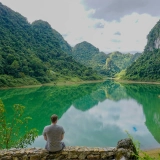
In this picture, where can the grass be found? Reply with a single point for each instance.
(57, 83)
(153, 153)
(120, 77)
(120, 74)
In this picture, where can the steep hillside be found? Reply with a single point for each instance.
(147, 67)
(35, 53)
(121, 60)
(105, 64)
(153, 38)
(63, 44)
(116, 62)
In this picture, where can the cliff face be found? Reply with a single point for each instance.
(153, 38)
(146, 68)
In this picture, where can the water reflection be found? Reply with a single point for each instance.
(93, 114)
(147, 96)
(106, 120)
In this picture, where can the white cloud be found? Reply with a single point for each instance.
(133, 28)
(71, 19)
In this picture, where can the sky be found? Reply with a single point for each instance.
(110, 25)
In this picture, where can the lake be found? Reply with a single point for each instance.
(97, 114)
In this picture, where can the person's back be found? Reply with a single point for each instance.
(53, 134)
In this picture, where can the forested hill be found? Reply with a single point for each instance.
(35, 53)
(147, 67)
(105, 64)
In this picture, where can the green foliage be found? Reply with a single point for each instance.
(111, 68)
(120, 74)
(152, 37)
(122, 61)
(6, 80)
(34, 50)
(141, 155)
(146, 68)
(105, 64)
(63, 44)
(10, 130)
(84, 52)
(145, 156)
(136, 143)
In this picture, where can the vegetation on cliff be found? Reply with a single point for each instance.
(147, 67)
(153, 38)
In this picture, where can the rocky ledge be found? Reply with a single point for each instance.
(125, 150)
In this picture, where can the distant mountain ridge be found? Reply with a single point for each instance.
(105, 64)
(147, 67)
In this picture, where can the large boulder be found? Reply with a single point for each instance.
(126, 150)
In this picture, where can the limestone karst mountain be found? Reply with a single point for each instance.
(147, 67)
(35, 53)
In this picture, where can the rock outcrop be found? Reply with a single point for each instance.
(153, 38)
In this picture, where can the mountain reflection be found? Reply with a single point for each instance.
(98, 114)
(147, 96)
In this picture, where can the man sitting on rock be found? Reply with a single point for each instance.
(54, 134)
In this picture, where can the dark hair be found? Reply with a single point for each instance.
(54, 118)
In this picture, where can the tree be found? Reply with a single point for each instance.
(10, 136)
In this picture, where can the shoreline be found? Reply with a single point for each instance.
(135, 82)
(68, 83)
(62, 83)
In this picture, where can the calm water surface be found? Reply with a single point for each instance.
(93, 114)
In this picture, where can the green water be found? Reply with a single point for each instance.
(93, 114)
